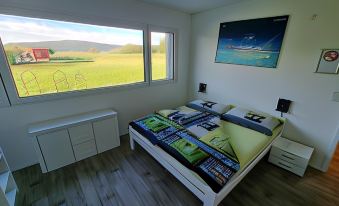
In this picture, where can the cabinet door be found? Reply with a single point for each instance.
(56, 149)
(106, 134)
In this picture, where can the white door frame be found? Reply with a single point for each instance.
(331, 150)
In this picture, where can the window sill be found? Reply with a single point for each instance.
(162, 82)
(71, 94)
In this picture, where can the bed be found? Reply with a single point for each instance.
(242, 148)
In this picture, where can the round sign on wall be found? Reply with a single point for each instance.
(331, 56)
(329, 61)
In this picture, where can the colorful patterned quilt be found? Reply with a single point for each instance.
(196, 139)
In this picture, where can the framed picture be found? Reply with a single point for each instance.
(254, 42)
(328, 62)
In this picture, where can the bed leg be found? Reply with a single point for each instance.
(210, 203)
(131, 142)
(210, 200)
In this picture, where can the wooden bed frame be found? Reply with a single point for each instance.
(187, 176)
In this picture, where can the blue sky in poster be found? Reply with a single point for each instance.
(24, 29)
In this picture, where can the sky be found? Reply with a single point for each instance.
(23, 29)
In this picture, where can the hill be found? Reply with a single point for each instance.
(133, 48)
(65, 45)
(128, 49)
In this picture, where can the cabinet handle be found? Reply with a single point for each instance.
(287, 157)
(284, 165)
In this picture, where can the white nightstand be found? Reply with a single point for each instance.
(290, 155)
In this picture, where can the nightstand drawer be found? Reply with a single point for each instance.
(288, 157)
(84, 150)
(287, 165)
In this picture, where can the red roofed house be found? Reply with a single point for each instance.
(41, 54)
(33, 55)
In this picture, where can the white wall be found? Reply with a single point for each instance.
(129, 103)
(314, 118)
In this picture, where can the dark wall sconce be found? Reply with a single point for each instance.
(283, 106)
(202, 87)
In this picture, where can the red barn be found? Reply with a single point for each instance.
(41, 54)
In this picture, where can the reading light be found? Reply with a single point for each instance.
(202, 87)
(283, 106)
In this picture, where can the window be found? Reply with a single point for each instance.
(42, 59)
(47, 56)
(162, 55)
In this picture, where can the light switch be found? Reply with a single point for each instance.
(335, 96)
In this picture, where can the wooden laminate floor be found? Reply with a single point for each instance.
(123, 177)
(334, 166)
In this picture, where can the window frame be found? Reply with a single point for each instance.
(9, 92)
(161, 29)
(15, 99)
(4, 102)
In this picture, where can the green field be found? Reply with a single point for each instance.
(106, 69)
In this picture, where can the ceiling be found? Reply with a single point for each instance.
(192, 6)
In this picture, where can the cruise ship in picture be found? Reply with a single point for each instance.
(249, 43)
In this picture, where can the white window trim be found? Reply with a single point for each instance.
(161, 29)
(9, 84)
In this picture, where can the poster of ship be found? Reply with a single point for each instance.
(254, 42)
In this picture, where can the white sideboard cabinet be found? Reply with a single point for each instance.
(63, 141)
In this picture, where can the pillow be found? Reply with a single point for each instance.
(207, 106)
(182, 115)
(257, 121)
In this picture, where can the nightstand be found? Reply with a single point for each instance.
(290, 155)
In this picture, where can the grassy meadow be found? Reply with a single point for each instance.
(104, 69)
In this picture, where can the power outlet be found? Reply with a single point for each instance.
(335, 97)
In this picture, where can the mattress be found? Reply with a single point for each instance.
(211, 147)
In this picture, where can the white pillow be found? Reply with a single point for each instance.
(255, 120)
(207, 106)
